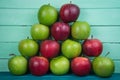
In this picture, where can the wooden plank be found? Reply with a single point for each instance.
(4, 66)
(29, 16)
(17, 33)
(8, 48)
(106, 34)
(14, 34)
(18, 16)
(57, 3)
(9, 76)
(113, 49)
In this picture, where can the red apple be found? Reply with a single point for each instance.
(81, 66)
(38, 65)
(69, 12)
(92, 47)
(60, 30)
(49, 48)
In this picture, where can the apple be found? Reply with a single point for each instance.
(71, 49)
(59, 65)
(81, 66)
(80, 30)
(47, 15)
(38, 65)
(103, 66)
(28, 47)
(69, 12)
(39, 32)
(17, 65)
(92, 47)
(60, 30)
(49, 48)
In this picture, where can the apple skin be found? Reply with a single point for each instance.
(71, 49)
(103, 66)
(81, 66)
(92, 47)
(39, 32)
(17, 65)
(28, 47)
(38, 65)
(47, 15)
(80, 30)
(59, 65)
(60, 31)
(49, 48)
(69, 12)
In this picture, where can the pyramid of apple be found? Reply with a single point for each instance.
(60, 45)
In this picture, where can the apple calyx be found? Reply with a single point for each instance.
(12, 54)
(107, 54)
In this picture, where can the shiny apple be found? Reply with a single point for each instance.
(17, 65)
(39, 32)
(81, 66)
(49, 48)
(69, 12)
(71, 48)
(103, 66)
(47, 15)
(28, 47)
(59, 65)
(38, 65)
(60, 31)
(80, 30)
(92, 47)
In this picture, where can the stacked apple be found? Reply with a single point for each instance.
(56, 46)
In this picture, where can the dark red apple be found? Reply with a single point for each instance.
(49, 48)
(60, 30)
(92, 47)
(81, 66)
(69, 12)
(38, 65)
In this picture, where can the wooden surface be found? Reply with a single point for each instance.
(17, 16)
(8, 76)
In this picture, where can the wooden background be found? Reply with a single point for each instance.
(17, 16)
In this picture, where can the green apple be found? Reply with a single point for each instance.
(39, 32)
(28, 47)
(47, 15)
(59, 65)
(71, 48)
(17, 65)
(80, 30)
(103, 66)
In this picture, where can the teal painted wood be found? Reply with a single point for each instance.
(4, 65)
(57, 3)
(8, 76)
(17, 16)
(17, 33)
(14, 34)
(29, 16)
(8, 48)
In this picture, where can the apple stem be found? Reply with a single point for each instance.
(28, 37)
(49, 4)
(70, 2)
(107, 54)
(91, 36)
(12, 54)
